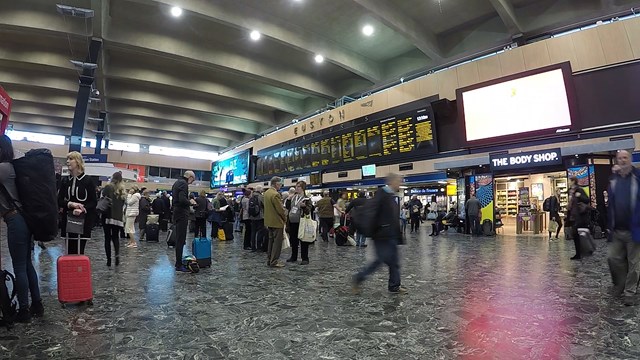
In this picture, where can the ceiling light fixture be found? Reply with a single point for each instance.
(319, 59)
(367, 30)
(176, 11)
(255, 35)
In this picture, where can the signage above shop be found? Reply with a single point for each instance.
(94, 158)
(524, 160)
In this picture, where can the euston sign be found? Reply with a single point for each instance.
(525, 160)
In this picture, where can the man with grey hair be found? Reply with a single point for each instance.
(274, 219)
(181, 207)
(624, 226)
(387, 235)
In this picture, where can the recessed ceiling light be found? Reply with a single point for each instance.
(255, 35)
(176, 11)
(367, 30)
(319, 58)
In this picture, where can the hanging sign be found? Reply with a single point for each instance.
(525, 160)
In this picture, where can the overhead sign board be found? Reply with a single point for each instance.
(525, 160)
(94, 158)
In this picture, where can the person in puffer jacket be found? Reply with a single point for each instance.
(133, 210)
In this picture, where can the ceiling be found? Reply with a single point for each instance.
(199, 82)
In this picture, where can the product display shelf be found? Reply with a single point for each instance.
(561, 184)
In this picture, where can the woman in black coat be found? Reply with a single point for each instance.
(77, 195)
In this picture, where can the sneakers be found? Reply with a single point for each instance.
(23, 316)
(290, 260)
(277, 265)
(576, 257)
(304, 262)
(109, 262)
(399, 290)
(133, 246)
(37, 309)
(182, 269)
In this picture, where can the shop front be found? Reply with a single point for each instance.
(5, 110)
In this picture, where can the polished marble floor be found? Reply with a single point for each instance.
(482, 298)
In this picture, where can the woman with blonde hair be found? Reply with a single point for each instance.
(133, 210)
(77, 195)
(113, 217)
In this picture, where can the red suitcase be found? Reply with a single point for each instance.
(74, 279)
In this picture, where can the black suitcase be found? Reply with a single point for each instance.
(164, 225)
(228, 230)
(153, 232)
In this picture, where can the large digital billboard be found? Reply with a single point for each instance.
(231, 171)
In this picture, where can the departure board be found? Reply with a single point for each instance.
(405, 135)
(347, 147)
(325, 152)
(389, 137)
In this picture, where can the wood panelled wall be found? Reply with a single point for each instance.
(604, 45)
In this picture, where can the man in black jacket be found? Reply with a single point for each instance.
(387, 235)
(355, 204)
(554, 212)
(181, 206)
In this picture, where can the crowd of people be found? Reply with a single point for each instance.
(266, 216)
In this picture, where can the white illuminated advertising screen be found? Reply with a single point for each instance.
(532, 103)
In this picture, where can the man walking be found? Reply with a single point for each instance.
(387, 235)
(325, 213)
(274, 220)
(473, 212)
(181, 206)
(554, 212)
(624, 225)
(415, 210)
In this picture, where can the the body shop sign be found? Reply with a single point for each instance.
(525, 160)
(5, 109)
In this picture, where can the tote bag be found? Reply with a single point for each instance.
(308, 229)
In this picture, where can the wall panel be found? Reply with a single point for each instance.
(447, 83)
(427, 86)
(536, 55)
(561, 49)
(402, 94)
(615, 43)
(468, 74)
(511, 61)
(489, 68)
(633, 33)
(589, 51)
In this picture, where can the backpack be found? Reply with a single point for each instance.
(487, 228)
(8, 302)
(546, 205)
(36, 184)
(364, 218)
(254, 206)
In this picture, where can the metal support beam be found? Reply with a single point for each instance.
(422, 38)
(82, 102)
(100, 134)
(508, 16)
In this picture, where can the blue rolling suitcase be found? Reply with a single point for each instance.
(201, 249)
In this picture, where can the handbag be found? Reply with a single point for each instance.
(308, 229)
(285, 241)
(104, 204)
(75, 224)
(553, 226)
(221, 235)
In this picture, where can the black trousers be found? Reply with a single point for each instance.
(72, 244)
(257, 233)
(296, 243)
(112, 235)
(201, 227)
(325, 225)
(576, 240)
(214, 229)
(557, 219)
(247, 235)
(181, 227)
(415, 222)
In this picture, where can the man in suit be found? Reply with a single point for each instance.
(274, 220)
(386, 237)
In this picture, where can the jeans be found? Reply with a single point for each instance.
(415, 222)
(201, 227)
(386, 253)
(276, 236)
(624, 262)
(112, 234)
(360, 239)
(19, 241)
(247, 235)
(325, 225)
(237, 224)
(474, 224)
(181, 227)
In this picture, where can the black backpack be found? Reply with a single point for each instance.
(8, 302)
(487, 228)
(36, 183)
(254, 206)
(546, 205)
(364, 218)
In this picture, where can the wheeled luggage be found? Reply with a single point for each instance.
(74, 278)
(171, 237)
(342, 235)
(201, 249)
(153, 232)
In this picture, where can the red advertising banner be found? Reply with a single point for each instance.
(5, 109)
(139, 169)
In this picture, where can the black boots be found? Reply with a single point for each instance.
(37, 309)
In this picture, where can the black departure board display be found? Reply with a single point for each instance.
(385, 139)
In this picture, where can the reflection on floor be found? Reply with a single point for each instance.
(501, 298)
